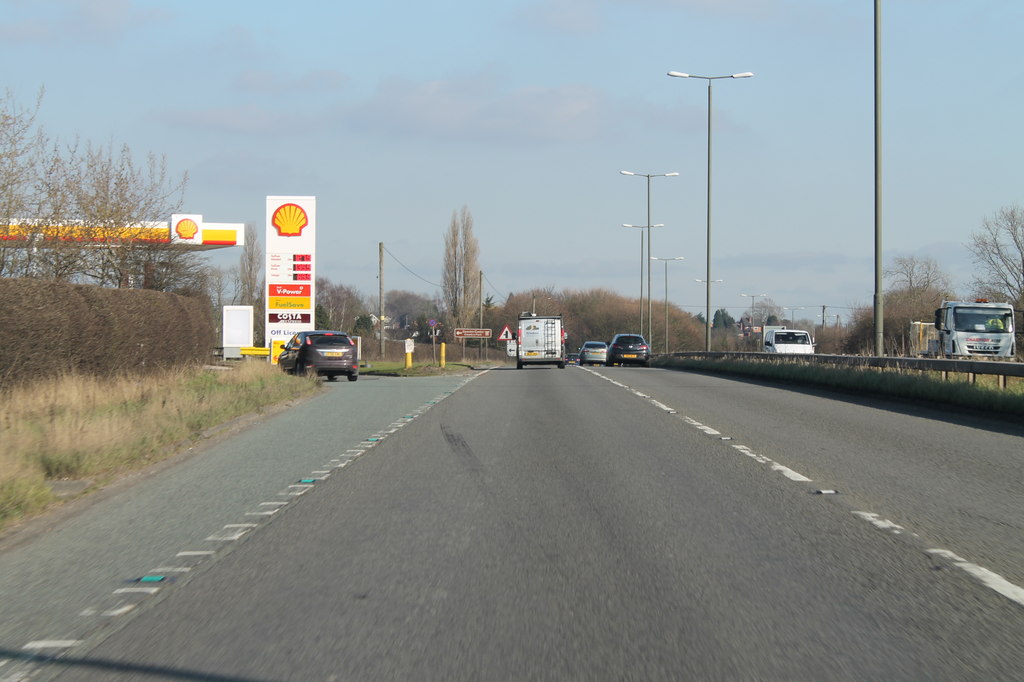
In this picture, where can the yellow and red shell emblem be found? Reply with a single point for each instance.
(186, 228)
(289, 219)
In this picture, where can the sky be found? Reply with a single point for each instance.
(396, 113)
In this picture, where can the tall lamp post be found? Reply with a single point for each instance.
(648, 176)
(642, 260)
(680, 74)
(753, 299)
(666, 296)
(792, 313)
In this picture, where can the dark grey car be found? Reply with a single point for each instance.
(327, 353)
(628, 349)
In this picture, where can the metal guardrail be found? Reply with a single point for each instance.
(971, 368)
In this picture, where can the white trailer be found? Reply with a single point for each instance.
(974, 329)
(540, 340)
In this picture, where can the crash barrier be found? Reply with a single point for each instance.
(969, 368)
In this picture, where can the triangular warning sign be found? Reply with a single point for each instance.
(506, 334)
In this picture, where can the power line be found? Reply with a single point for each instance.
(496, 290)
(433, 284)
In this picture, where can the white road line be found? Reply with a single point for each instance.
(113, 613)
(137, 590)
(789, 473)
(273, 504)
(203, 552)
(989, 579)
(171, 569)
(880, 523)
(52, 644)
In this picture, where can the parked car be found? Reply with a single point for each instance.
(327, 353)
(572, 359)
(628, 349)
(593, 353)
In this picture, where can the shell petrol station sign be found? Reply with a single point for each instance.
(291, 274)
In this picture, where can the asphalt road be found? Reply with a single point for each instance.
(545, 524)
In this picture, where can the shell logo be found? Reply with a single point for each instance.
(289, 219)
(187, 228)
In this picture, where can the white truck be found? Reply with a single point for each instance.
(540, 340)
(974, 329)
(791, 341)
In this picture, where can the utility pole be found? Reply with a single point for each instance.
(380, 277)
(482, 341)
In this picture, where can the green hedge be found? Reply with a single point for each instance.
(50, 327)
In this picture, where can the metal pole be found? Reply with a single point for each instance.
(707, 305)
(650, 318)
(482, 341)
(380, 277)
(879, 300)
(642, 281)
(666, 307)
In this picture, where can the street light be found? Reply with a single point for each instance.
(792, 317)
(649, 321)
(666, 297)
(648, 228)
(680, 74)
(753, 299)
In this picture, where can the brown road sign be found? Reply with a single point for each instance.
(472, 333)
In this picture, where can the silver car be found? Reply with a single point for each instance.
(593, 353)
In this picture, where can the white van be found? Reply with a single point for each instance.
(793, 341)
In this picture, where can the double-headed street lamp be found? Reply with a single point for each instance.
(753, 299)
(648, 228)
(792, 312)
(680, 74)
(649, 225)
(666, 297)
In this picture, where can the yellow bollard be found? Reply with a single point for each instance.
(408, 360)
(442, 355)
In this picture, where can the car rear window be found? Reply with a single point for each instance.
(594, 344)
(331, 340)
(629, 340)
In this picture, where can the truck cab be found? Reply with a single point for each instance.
(975, 329)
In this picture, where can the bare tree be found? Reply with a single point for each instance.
(917, 274)
(249, 275)
(118, 199)
(341, 304)
(998, 249)
(460, 276)
(57, 257)
(19, 142)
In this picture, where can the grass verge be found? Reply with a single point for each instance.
(422, 369)
(914, 386)
(79, 427)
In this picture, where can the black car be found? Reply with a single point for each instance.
(326, 353)
(628, 349)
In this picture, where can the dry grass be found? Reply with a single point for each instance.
(73, 427)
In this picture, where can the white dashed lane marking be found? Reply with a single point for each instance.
(984, 576)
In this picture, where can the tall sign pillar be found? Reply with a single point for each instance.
(291, 269)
